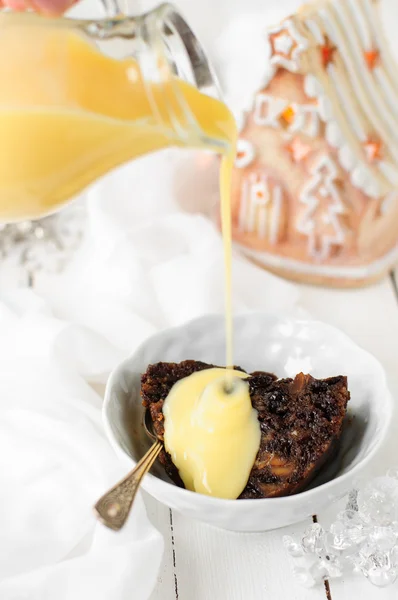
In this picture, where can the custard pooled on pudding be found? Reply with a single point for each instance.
(211, 431)
(300, 422)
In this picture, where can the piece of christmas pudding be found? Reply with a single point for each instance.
(301, 422)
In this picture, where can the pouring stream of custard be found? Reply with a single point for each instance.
(69, 114)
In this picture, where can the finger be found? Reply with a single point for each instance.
(48, 7)
(16, 5)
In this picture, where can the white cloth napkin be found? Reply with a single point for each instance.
(54, 464)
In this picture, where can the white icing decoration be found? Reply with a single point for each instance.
(360, 177)
(347, 158)
(268, 109)
(361, 23)
(289, 42)
(312, 86)
(247, 152)
(283, 43)
(389, 171)
(389, 63)
(315, 30)
(325, 108)
(339, 26)
(323, 192)
(277, 205)
(262, 222)
(333, 134)
(385, 96)
(346, 104)
(388, 202)
(373, 190)
(323, 173)
(367, 177)
(258, 198)
(260, 207)
(389, 93)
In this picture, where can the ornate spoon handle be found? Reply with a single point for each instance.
(113, 508)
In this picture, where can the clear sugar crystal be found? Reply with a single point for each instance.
(338, 538)
(319, 571)
(313, 541)
(378, 569)
(384, 538)
(333, 566)
(378, 502)
(349, 529)
(294, 548)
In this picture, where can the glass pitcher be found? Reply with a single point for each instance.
(80, 97)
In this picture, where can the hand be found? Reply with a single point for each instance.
(47, 7)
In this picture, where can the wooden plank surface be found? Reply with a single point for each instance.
(202, 562)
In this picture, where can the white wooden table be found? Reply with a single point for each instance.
(204, 563)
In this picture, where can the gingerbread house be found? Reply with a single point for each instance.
(315, 184)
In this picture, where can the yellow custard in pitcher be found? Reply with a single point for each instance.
(69, 114)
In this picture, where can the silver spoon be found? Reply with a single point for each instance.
(113, 508)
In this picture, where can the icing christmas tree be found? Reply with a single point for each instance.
(316, 176)
(320, 222)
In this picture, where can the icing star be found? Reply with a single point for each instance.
(288, 116)
(373, 150)
(298, 150)
(372, 58)
(286, 45)
(327, 52)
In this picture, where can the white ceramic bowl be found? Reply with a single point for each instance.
(284, 346)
